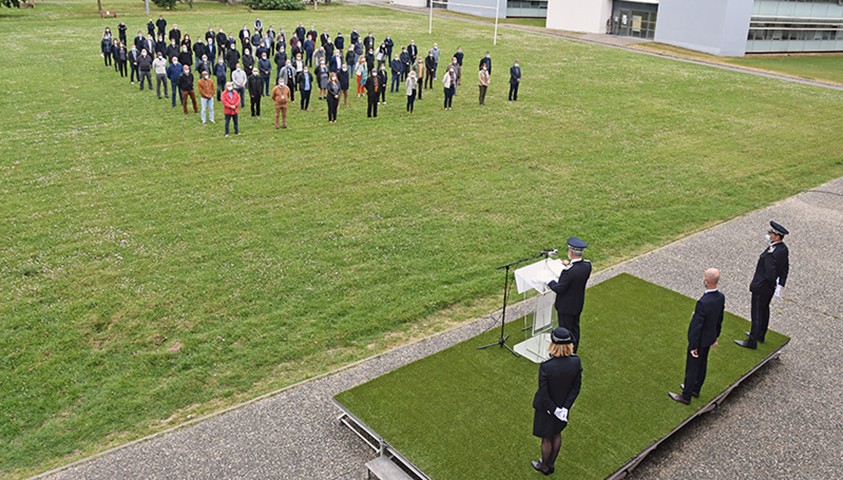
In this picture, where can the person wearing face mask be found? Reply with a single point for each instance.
(174, 71)
(411, 85)
(265, 69)
(211, 49)
(144, 67)
(483, 83)
(255, 84)
(418, 69)
(406, 63)
(162, 25)
(280, 62)
(449, 84)
(206, 96)
(342, 76)
(361, 72)
(185, 58)
(106, 45)
(133, 64)
(161, 47)
(121, 57)
(239, 78)
(570, 289)
(435, 51)
(159, 65)
(397, 72)
(322, 76)
(186, 88)
(221, 73)
(702, 335)
(383, 76)
(172, 50)
(769, 279)
(305, 83)
(487, 60)
(514, 81)
(174, 33)
(281, 97)
(199, 49)
(288, 74)
(232, 58)
(203, 66)
(459, 56)
(374, 86)
(430, 66)
(231, 106)
(247, 61)
(333, 97)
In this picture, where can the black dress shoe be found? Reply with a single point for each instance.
(746, 344)
(695, 395)
(760, 340)
(538, 466)
(677, 397)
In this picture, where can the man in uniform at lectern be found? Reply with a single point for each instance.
(768, 281)
(570, 288)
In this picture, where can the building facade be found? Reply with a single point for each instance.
(719, 27)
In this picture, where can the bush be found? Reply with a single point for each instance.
(275, 4)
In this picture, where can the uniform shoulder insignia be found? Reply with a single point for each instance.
(772, 249)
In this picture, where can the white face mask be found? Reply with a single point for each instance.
(229, 88)
(768, 238)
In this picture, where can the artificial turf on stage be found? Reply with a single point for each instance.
(466, 413)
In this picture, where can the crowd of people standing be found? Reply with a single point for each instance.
(229, 65)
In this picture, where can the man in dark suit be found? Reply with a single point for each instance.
(768, 281)
(514, 81)
(162, 25)
(702, 335)
(570, 289)
(560, 379)
(373, 91)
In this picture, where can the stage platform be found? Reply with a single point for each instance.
(464, 413)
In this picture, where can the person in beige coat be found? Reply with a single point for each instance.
(483, 83)
(412, 84)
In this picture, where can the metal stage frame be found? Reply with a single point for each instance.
(380, 446)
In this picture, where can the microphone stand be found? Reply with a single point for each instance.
(502, 339)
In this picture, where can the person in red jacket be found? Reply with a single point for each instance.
(231, 106)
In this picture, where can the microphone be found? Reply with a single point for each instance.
(550, 253)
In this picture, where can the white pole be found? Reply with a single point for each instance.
(430, 23)
(146, 4)
(497, 8)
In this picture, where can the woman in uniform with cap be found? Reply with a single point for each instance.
(559, 384)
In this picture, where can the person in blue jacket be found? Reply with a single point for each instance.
(174, 72)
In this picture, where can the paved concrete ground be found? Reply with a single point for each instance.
(784, 422)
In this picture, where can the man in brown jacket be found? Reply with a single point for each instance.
(207, 89)
(281, 96)
(483, 83)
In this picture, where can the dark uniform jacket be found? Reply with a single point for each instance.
(514, 75)
(706, 321)
(773, 264)
(570, 289)
(559, 383)
(374, 85)
(186, 82)
(255, 85)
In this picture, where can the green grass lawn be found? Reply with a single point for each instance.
(153, 270)
(818, 67)
(467, 413)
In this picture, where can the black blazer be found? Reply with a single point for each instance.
(570, 289)
(772, 264)
(559, 383)
(514, 75)
(706, 321)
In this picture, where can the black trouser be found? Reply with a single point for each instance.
(255, 105)
(372, 111)
(449, 96)
(760, 316)
(483, 89)
(161, 79)
(428, 80)
(305, 99)
(695, 369)
(333, 104)
(411, 100)
(134, 73)
(383, 93)
(513, 91)
(419, 91)
(147, 76)
(220, 86)
(107, 58)
(572, 323)
(121, 67)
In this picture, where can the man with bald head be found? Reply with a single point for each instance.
(702, 335)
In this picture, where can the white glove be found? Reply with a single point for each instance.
(778, 292)
(561, 414)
